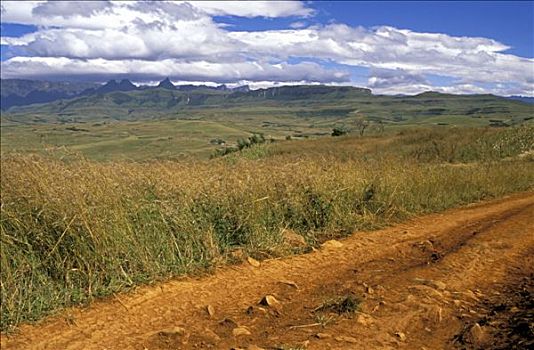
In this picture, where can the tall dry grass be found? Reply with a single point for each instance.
(72, 231)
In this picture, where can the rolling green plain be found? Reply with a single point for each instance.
(159, 123)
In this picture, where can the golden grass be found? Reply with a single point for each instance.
(72, 231)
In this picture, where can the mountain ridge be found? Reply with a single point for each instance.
(19, 92)
(166, 84)
(24, 92)
(122, 100)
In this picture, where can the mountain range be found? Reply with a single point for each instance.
(26, 101)
(526, 99)
(22, 92)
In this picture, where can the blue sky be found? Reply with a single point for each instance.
(510, 22)
(390, 47)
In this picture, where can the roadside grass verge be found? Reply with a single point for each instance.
(72, 231)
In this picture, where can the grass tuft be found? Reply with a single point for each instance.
(343, 305)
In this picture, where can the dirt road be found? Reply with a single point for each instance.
(462, 278)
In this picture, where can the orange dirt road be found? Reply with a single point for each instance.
(430, 283)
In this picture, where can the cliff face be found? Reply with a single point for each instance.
(20, 92)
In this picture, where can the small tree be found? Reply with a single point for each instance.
(252, 140)
(339, 131)
(242, 143)
(361, 125)
(256, 139)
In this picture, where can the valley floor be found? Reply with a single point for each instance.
(462, 278)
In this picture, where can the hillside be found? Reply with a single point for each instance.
(168, 122)
(20, 92)
(125, 101)
(526, 99)
(24, 92)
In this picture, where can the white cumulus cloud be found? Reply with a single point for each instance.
(139, 70)
(152, 39)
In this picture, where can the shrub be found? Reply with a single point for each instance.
(339, 131)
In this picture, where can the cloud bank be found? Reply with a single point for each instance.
(148, 40)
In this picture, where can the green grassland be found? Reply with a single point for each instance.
(169, 139)
(160, 123)
(143, 140)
